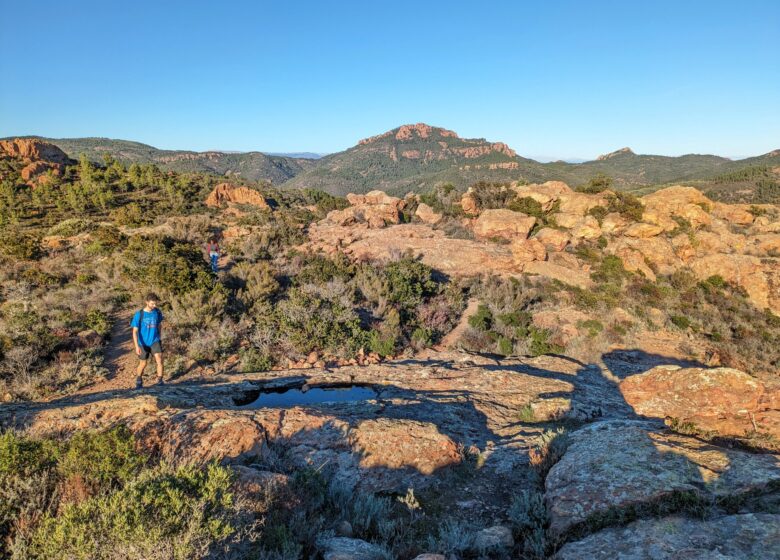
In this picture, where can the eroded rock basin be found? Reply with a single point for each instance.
(306, 395)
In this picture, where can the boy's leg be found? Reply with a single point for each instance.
(139, 372)
(158, 358)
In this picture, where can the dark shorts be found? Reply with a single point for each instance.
(155, 348)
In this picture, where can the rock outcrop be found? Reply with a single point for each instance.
(619, 465)
(225, 194)
(680, 227)
(38, 158)
(734, 537)
(375, 210)
(503, 223)
(724, 400)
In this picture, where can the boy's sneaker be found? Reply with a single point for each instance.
(139, 383)
(160, 381)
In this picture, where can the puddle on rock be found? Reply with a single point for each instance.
(283, 398)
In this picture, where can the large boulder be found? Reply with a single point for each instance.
(726, 400)
(504, 224)
(683, 202)
(554, 239)
(742, 270)
(31, 149)
(374, 209)
(747, 536)
(622, 465)
(225, 193)
(427, 214)
(344, 548)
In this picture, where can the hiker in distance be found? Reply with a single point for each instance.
(212, 248)
(147, 324)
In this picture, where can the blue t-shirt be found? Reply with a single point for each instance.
(148, 324)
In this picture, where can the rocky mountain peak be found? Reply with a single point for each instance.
(621, 151)
(411, 132)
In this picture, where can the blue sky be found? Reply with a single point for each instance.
(551, 78)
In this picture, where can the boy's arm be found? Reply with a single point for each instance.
(135, 340)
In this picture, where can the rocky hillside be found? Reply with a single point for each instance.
(248, 165)
(506, 371)
(413, 157)
(417, 157)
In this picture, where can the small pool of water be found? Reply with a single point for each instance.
(316, 395)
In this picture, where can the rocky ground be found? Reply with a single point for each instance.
(465, 432)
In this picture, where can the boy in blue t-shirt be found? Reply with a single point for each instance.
(147, 324)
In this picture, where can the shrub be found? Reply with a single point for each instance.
(17, 244)
(527, 205)
(482, 320)
(596, 184)
(627, 205)
(680, 321)
(593, 327)
(161, 263)
(71, 227)
(102, 459)
(184, 511)
(539, 343)
(99, 321)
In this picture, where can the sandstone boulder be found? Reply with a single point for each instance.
(527, 250)
(588, 228)
(554, 239)
(469, 203)
(733, 213)
(427, 215)
(504, 224)
(32, 149)
(734, 537)
(742, 270)
(643, 230)
(613, 223)
(620, 464)
(726, 400)
(376, 209)
(225, 193)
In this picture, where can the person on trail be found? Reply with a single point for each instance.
(147, 324)
(212, 247)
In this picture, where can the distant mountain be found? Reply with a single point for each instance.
(419, 156)
(250, 165)
(297, 155)
(414, 157)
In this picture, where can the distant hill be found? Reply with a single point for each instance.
(416, 157)
(413, 157)
(250, 165)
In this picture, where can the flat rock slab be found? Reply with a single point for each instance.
(748, 536)
(620, 464)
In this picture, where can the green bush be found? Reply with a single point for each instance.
(482, 320)
(180, 510)
(99, 321)
(539, 343)
(71, 227)
(596, 184)
(527, 205)
(161, 263)
(627, 205)
(102, 459)
(21, 245)
(680, 321)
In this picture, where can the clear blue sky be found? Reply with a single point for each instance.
(551, 77)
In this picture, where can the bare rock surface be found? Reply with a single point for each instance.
(225, 193)
(344, 548)
(734, 537)
(725, 400)
(615, 465)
